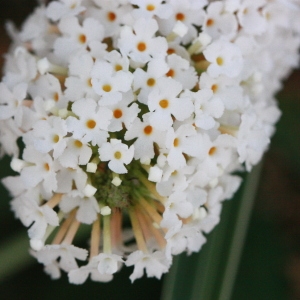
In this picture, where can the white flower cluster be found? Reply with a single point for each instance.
(133, 116)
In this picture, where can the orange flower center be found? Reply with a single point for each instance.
(180, 17)
(164, 103)
(77, 144)
(150, 7)
(210, 22)
(220, 61)
(82, 38)
(118, 113)
(214, 88)
(151, 82)
(141, 46)
(91, 124)
(171, 73)
(170, 51)
(111, 16)
(148, 129)
(212, 150)
(106, 88)
(118, 68)
(56, 97)
(55, 138)
(176, 142)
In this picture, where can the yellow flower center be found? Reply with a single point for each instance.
(164, 103)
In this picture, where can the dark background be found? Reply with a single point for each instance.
(270, 264)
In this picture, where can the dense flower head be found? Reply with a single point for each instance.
(134, 118)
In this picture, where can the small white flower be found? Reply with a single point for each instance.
(155, 264)
(67, 255)
(88, 207)
(163, 102)
(225, 58)
(181, 71)
(220, 23)
(146, 136)
(80, 275)
(150, 8)
(76, 37)
(49, 135)
(92, 123)
(76, 153)
(41, 169)
(108, 263)
(145, 81)
(177, 204)
(108, 83)
(79, 83)
(64, 8)
(40, 216)
(118, 155)
(139, 42)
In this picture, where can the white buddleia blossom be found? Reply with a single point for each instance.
(138, 110)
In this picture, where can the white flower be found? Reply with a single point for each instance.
(76, 37)
(87, 207)
(163, 102)
(40, 216)
(187, 12)
(76, 153)
(123, 114)
(252, 140)
(225, 58)
(138, 42)
(219, 22)
(183, 238)
(80, 275)
(249, 14)
(108, 83)
(112, 15)
(145, 81)
(155, 264)
(183, 140)
(150, 8)
(49, 87)
(181, 71)
(79, 83)
(146, 136)
(11, 102)
(118, 155)
(225, 89)
(67, 255)
(41, 168)
(178, 205)
(174, 180)
(9, 133)
(68, 179)
(207, 108)
(49, 135)
(64, 8)
(92, 123)
(20, 67)
(108, 263)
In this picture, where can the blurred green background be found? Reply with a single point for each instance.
(270, 262)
